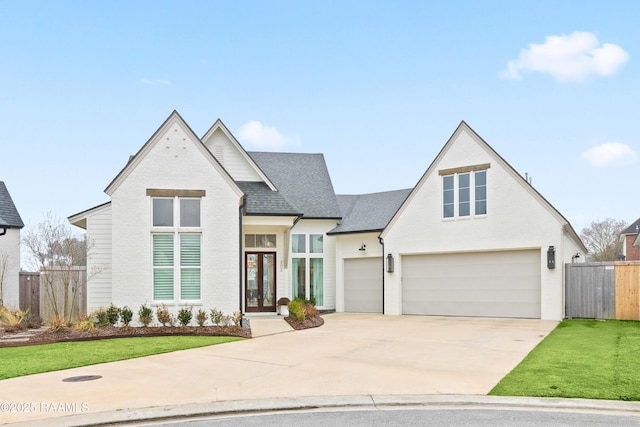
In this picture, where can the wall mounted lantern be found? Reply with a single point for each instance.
(389, 263)
(551, 257)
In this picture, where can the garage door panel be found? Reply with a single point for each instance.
(363, 285)
(491, 284)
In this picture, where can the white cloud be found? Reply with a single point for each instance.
(574, 57)
(264, 136)
(610, 154)
(156, 82)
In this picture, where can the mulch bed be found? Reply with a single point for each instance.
(309, 322)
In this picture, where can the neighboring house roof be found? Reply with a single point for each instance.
(261, 200)
(464, 127)
(632, 229)
(368, 212)
(303, 179)
(9, 216)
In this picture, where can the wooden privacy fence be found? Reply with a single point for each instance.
(603, 290)
(45, 293)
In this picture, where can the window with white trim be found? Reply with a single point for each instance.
(307, 265)
(464, 194)
(176, 249)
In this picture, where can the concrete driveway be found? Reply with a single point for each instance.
(352, 354)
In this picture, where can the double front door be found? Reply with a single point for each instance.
(260, 281)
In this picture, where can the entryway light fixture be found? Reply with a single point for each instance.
(363, 247)
(389, 263)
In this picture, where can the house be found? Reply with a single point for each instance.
(10, 226)
(630, 242)
(201, 222)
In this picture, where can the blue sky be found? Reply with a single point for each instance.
(378, 87)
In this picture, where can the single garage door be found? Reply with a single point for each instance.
(363, 285)
(489, 284)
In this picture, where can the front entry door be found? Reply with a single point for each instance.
(260, 281)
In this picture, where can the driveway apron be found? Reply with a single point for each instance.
(351, 354)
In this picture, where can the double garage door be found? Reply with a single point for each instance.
(488, 284)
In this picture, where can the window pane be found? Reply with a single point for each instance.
(190, 283)
(298, 282)
(260, 241)
(163, 212)
(481, 207)
(315, 243)
(463, 180)
(447, 196)
(250, 240)
(162, 250)
(298, 244)
(481, 192)
(190, 250)
(163, 284)
(316, 282)
(271, 240)
(481, 178)
(463, 209)
(190, 212)
(464, 194)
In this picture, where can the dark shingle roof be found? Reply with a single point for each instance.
(633, 228)
(368, 212)
(9, 216)
(261, 200)
(303, 180)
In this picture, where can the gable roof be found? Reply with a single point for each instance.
(173, 118)
(368, 212)
(9, 216)
(632, 229)
(303, 179)
(464, 127)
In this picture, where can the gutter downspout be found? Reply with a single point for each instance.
(381, 240)
(241, 284)
(4, 231)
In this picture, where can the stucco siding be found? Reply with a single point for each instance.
(175, 162)
(10, 262)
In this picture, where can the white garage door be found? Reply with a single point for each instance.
(489, 284)
(363, 285)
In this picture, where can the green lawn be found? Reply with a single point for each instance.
(581, 358)
(27, 360)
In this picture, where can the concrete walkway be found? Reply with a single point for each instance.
(351, 355)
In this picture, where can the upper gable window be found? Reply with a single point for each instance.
(189, 212)
(464, 191)
(163, 212)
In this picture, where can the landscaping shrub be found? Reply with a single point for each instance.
(113, 314)
(84, 323)
(185, 315)
(237, 318)
(216, 316)
(164, 316)
(145, 315)
(201, 317)
(14, 319)
(102, 317)
(58, 324)
(296, 309)
(126, 315)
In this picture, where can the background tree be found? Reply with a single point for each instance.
(56, 252)
(602, 238)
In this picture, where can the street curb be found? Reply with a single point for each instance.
(369, 402)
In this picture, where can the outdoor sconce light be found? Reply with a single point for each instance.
(363, 247)
(575, 257)
(389, 263)
(551, 258)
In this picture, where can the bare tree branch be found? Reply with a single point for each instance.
(602, 238)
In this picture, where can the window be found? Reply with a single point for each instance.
(464, 194)
(260, 240)
(176, 253)
(308, 267)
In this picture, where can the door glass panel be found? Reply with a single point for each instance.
(268, 279)
(252, 280)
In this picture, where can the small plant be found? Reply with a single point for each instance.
(85, 323)
(13, 318)
(126, 315)
(164, 316)
(34, 321)
(102, 317)
(296, 310)
(216, 316)
(113, 314)
(58, 324)
(201, 317)
(237, 318)
(185, 315)
(145, 315)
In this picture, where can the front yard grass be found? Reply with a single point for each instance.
(588, 359)
(35, 359)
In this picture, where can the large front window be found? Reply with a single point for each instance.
(464, 194)
(308, 267)
(176, 247)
